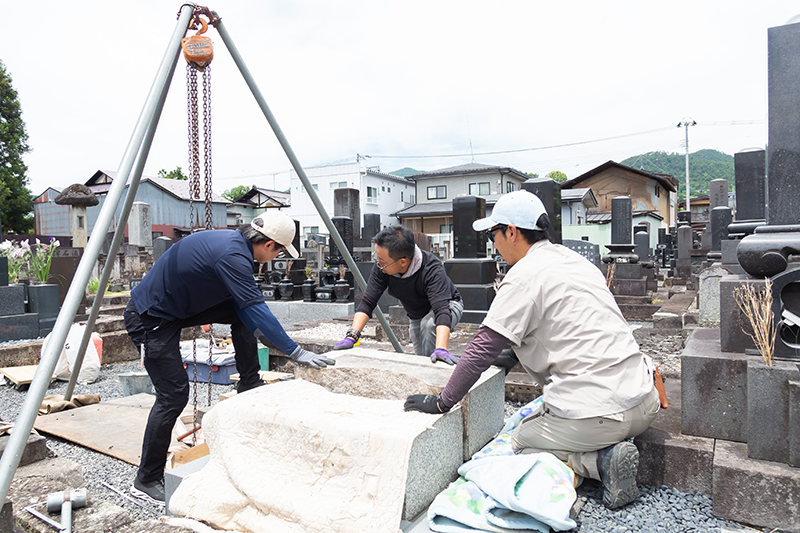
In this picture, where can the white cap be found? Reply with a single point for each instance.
(278, 227)
(519, 208)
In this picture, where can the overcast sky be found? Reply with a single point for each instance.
(404, 82)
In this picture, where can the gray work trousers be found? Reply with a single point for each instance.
(576, 442)
(423, 331)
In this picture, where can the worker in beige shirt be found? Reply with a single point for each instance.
(554, 307)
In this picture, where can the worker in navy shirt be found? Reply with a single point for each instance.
(204, 278)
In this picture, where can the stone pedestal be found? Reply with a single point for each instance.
(768, 409)
(709, 295)
(474, 279)
(732, 329)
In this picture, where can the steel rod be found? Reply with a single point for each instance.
(248, 78)
(41, 380)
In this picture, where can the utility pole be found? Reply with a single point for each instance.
(686, 122)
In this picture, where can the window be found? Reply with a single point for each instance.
(338, 184)
(658, 191)
(479, 189)
(383, 189)
(313, 186)
(438, 192)
(412, 199)
(511, 186)
(388, 189)
(445, 228)
(310, 229)
(401, 196)
(372, 195)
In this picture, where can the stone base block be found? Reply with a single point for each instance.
(753, 491)
(768, 397)
(641, 312)
(292, 312)
(477, 297)
(12, 299)
(22, 326)
(666, 457)
(714, 389)
(471, 271)
(629, 287)
(794, 422)
(35, 449)
(473, 317)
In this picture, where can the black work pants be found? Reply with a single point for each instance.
(163, 363)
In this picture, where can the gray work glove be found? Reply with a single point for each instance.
(304, 357)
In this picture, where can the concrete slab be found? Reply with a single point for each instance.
(752, 491)
(299, 311)
(714, 392)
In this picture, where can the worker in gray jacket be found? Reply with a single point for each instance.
(416, 278)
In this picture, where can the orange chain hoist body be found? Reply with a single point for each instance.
(197, 49)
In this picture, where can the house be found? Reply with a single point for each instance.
(253, 203)
(435, 190)
(653, 199)
(575, 204)
(168, 200)
(379, 193)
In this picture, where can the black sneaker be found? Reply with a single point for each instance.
(152, 492)
(618, 465)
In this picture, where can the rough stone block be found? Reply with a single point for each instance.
(16, 327)
(471, 271)
(714, 389)
(753, 491)
(733, 336)
(768, 396)
(709, 295)
(118, 347)
(35, 449)
(12, 300)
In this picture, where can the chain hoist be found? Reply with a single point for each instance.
(198, 52)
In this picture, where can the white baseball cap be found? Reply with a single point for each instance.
(519, 208)
(278, 227)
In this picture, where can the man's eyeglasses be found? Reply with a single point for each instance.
(380, 265)
(490, 231)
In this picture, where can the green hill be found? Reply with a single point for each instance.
(704, 166)
(406, 171)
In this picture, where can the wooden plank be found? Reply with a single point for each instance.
(267, 376)
(20, 375)
(115, 427)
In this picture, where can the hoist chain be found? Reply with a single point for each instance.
(194, 383)
(194, 144)
(207, 141)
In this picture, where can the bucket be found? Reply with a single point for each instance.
(135, 383)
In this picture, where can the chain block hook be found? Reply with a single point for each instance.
(197, 49)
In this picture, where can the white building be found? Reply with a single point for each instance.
(379, 193)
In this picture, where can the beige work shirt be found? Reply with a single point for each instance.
(569, 334)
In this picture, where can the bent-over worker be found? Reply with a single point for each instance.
(204, 278)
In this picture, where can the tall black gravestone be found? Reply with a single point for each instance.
(750, 174)
(344, 225)
(621, 220)
(346, 204)
(372, 225)
(549, 192)
(468, 243)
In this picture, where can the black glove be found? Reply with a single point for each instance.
(427, 403)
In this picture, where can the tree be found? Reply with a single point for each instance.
(16, 201)
(532, 175)
(235, 193)
(557, 175)
(176, 174)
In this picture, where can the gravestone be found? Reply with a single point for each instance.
(160, 245)
(62, 270)
(346, 204)
(296, 240)
(3, 271)
(683, 266)
(710, 277)
(140, 229)
(642, 241)
(750, 174)
(718, 193)
(372, 225)
(621, 220)
(721, 217)
(684, 217)
(468, 243)
(783, 74)
(549, 192)
(587, 249)
(343, 225)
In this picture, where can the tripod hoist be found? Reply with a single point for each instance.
(198, 52)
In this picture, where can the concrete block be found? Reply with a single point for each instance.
(174, 477)
(22, 326)
(628, 271)
(666, 457)
(714, 389)
(292, 312)
(629, 287)
(118, 347)
(753, 491)
(35, 449)
(12, 300)
(733, 336)
(768, 396)
(477, 297)
(794, 422)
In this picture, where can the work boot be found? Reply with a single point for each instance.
(617, 466)
(244, 387)
(152, 492)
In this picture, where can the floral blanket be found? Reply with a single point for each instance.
(499, 491)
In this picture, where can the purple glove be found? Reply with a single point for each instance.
(349, 340)
(441, 354)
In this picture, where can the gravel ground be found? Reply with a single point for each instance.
(658, 509)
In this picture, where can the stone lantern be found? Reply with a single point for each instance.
(78, 196)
